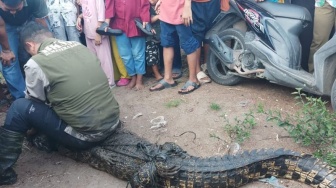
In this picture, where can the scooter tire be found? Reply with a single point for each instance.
(333, 96)
(218, 72)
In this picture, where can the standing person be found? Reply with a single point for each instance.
(177, 17)
(131, 43)
(94, 16)
(306, 36)
(62, 17)
(204, 13)
(14, 13)
(120, 72)
(324, 22)
(59, 103)
(154, 51)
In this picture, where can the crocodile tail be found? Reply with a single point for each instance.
(235, 171)
(303, 168)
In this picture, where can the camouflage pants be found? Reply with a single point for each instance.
(152, 53)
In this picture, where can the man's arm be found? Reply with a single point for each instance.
(36, 81)
(6, 54)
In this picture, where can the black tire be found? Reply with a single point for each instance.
(333, 96)
(218, 72)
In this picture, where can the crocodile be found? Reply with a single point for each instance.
(134, 159)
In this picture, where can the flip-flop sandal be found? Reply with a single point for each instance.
(184, 90)
(203, 78)
(164, 85)
(148, 28)
(109, 31)
(179, 75)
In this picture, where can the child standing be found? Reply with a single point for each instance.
(62, 17)
(154, 50)
(176, 16)
(94, 16)
(131, 44)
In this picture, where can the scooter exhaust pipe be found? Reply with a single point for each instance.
(221, 50)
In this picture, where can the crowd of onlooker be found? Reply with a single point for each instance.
(126, 56)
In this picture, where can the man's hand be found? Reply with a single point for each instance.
(7, 56)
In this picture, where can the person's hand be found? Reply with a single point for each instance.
(98, 39)
(157, 7)
(7, 56)
(79, 24)
(187, 16)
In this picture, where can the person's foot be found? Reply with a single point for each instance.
(158, 78)
(163, 84)
(123, 82)
(132, 83)
(139, 86)
(176, 75)
(203, 78)
(189, 87)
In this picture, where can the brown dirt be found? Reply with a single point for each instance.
(39, 169)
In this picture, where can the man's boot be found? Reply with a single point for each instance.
(10, 150)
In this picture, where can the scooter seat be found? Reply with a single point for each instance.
(287, 11)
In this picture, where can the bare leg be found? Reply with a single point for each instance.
(202, 78)
(198, 59)
(168, 56)
(156, 72)
(132, 82)
(139, 84)
(192, 64)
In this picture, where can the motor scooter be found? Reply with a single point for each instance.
(268, 48)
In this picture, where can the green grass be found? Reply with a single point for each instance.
(173, 103)
(313, 125)
(215, 107)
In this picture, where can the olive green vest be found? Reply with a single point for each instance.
(79, 91)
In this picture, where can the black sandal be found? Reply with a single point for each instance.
(109, 31)
(147, 30)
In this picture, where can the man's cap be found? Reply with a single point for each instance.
(12, 3)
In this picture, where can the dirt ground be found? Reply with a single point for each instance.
(42, 170)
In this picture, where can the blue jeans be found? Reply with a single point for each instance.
(12, 73)
(25, 114)
(66, 33)
(132, 52)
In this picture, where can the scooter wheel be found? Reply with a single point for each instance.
(218, 72)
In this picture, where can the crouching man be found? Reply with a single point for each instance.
(67, 98)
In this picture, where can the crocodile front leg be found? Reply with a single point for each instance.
(145, 177)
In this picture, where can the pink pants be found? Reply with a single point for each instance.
(103, 52)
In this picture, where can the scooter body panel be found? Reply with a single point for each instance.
(277, 46)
